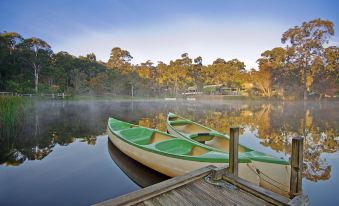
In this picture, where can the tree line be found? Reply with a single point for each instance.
(304, 66)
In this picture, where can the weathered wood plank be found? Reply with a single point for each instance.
(193, 189)
(257, 191)
(154, 190)
(230, 195)
(219, 172)
(200, 192)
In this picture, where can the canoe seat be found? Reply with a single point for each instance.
(143, 136)
(158, 137)
(175, 146)
(137, 135)
(202, 136)
(197, 151)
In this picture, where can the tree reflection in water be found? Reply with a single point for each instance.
(273, 124)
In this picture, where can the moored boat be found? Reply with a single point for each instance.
(274, 173)
(168, 154)
(137, 172)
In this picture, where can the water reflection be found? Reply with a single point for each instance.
(44, 126)
(138, 173)
(272, 124)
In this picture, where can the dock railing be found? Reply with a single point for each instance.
(52, 95)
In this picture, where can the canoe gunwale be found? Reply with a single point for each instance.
(266, 158)
(221, 158)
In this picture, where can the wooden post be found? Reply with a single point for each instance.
(296, 166)
(233, 151)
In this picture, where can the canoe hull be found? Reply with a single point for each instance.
(275, 177)
(173, 166)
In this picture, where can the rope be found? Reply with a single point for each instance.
(220, 183)
(258, 172)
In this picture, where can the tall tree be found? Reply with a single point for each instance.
(146, 70)
(326, 73)
(196, 73)
(8, 56)
(224, 72)
(179, 75)
(36, 53)
(270, 64)
(307, 41)
(91, 57)
(10, 40)
(64, 64)
(119, 59)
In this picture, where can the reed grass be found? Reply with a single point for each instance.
(11, 113)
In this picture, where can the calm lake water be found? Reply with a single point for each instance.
(60, 155)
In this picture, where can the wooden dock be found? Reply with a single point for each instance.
(218, 186)
(200, 188)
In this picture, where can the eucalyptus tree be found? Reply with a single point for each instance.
(308, 41)
(196, 71)
(8, 55)
(178, 72)
(224, 72)
(36, 55)
(271, 65)
(64, 64)
(326, 73)
(119, 59)
(10, 40)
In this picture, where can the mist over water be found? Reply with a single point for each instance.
(60, 155)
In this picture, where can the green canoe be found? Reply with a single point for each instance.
(168, 154)
(274, 172)
(184, 128)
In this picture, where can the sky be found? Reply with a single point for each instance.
(160, 30)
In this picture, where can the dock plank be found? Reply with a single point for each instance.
(194, 189)
(200, 192)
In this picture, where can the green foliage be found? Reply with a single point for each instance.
(28, 65)
(20, 87)
(307, 41)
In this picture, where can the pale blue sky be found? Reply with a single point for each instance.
(162, 30)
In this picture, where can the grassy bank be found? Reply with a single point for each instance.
(11, 113)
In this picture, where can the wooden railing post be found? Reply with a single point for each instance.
(233, 151)
(296, 166)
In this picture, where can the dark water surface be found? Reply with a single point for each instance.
(60, 155)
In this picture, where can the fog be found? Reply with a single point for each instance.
(49, 125)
